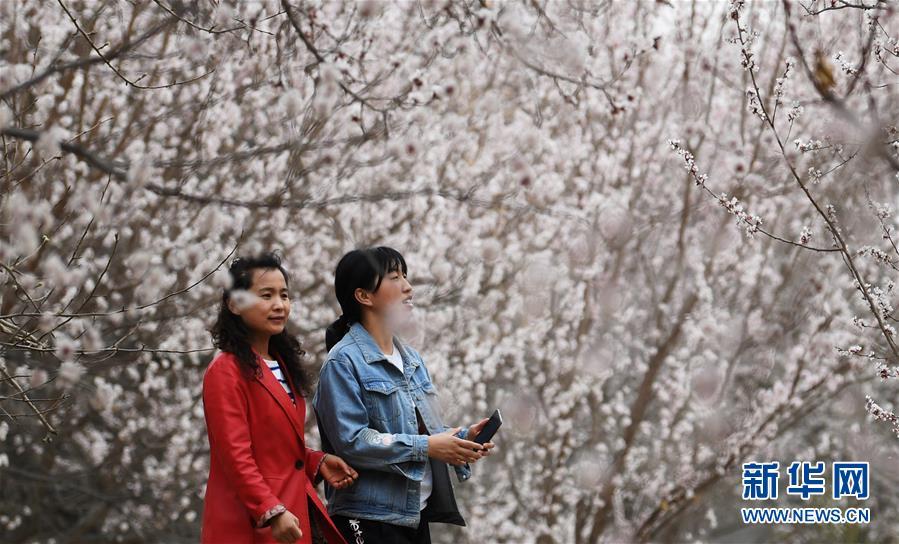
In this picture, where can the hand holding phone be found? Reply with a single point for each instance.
(490, 428)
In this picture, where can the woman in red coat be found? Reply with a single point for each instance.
(262, 476)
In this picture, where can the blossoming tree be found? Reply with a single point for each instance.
(657, 235)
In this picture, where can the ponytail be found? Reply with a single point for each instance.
(336, 331)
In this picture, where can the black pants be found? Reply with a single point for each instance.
(366, 531)
(315, 523)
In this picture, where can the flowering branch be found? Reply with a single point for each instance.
(752, 223)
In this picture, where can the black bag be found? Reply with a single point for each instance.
(442, 502)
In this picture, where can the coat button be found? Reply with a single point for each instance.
(298, 465)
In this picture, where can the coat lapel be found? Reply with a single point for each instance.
(271, 383)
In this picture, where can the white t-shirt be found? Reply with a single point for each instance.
(395, 358)
(426, 482)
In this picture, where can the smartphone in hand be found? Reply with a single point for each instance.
(490, 428)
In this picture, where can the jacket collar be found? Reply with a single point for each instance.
(271, 383)
(371, 352)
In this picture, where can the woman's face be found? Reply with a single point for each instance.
(393, 299)
(265, 306)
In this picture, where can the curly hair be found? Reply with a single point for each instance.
(230, 333)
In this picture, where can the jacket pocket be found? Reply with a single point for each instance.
(383, 402)
(429, 388)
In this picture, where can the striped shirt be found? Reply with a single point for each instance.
(276, 370)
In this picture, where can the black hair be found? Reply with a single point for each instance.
(360, 268)
(230, 333)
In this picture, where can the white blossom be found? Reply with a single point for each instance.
(442, 271)
(243, 299)
(66, 348)
(38, 378)
(221, 279)
(140, 172)
(6, 118)
(49, 141)
(69, 373)
(292, 103)
(56, 272)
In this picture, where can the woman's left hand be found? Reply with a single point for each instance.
(474, 431)
(337, 473)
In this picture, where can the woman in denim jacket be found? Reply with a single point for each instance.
(376, 408)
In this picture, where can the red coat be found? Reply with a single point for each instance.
(258, 455)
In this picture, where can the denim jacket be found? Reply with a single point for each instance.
(366, 413)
